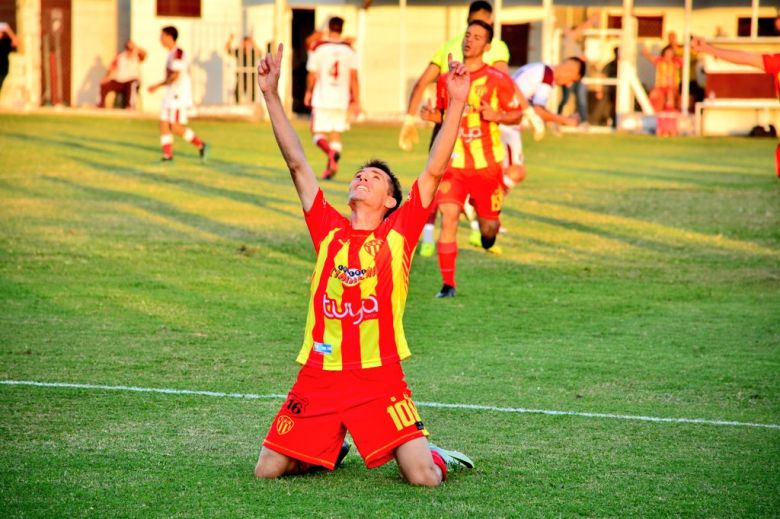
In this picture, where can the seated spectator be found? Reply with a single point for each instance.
(123, 74)
(665, 96)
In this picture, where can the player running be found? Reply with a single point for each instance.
(351, 379)
(332, 91)
(475, 171)
(178, 97)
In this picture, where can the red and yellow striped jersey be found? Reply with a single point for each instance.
(359, 287)
(479, 142)
(772, 66)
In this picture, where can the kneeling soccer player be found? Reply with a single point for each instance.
(351, 379)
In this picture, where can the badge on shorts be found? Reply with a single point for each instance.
(321, 347)
(284, 424)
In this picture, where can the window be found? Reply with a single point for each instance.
(516, 38)
(766, 27)
(190, 8)
(648, 26)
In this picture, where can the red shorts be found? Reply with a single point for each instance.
(482, 185)
(374, 405)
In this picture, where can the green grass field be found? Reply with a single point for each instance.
(640, 276)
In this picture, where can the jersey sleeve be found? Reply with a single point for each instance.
(411, 217)
(442, 99)
(771, 63)
(507, 95)
(440, 57)
(177, 63)
(321, 218)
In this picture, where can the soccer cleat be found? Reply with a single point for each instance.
(496, 250)
(333, 165)
(446, 291)
(427, 249)
(342, 453)
(475, 238)
(453, 459)
(203, 151)
(166, 158)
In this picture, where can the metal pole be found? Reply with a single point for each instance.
(754, 20)
(497, 6)
(548, 30)
(625, 102)
(402, 58)
(686, 71)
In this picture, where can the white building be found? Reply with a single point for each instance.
(394, 41)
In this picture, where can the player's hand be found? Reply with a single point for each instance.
(408, 136)
(354, 111)
(429, 113)
(268, 71)
(487, 112)
(573, 120)
(458, 80)
(536, 122)
(152, 88)
(307, 99)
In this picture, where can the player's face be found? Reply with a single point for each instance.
(475, 42)
(371, 186)
(568, 74)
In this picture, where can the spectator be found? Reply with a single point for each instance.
(123, 75)
(8, 44)
(247, 56)
(665, 96)
(572, 48)
(694, 89)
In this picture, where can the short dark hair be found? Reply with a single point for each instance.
(484, 25)
(394, 183)
(580, 62)
(336, 24)
(480, 5)
(171, 31)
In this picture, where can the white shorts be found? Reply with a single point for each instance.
(325, 120)
(174, 111)
(510, 136)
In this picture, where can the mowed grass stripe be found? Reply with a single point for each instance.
(472, 407)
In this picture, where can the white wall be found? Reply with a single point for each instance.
(93, 47)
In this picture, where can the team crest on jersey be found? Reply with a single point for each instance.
(284, 424)
(480, 90)
(372, 247)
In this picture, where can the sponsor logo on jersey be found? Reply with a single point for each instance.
(365, 309)
(351, 277)
(321, 347)
(470, 134)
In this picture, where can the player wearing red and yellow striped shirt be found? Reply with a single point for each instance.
(351, 379)
(475, 171)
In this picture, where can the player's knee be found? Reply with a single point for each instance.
(271, 465)
(489, 229)
(424, 476)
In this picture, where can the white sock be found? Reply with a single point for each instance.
(428, 233)
(508, 182)
(475, 225)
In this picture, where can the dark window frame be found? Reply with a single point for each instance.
(180, 8)
(647, 26)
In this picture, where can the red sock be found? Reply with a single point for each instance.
(197, 142)
(322, 143)
(448, 254)
(777, 160)
(440, 463)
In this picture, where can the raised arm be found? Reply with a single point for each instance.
(739, 57)
(458, 82)
(302, 175)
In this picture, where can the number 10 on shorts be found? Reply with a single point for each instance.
(403, 413)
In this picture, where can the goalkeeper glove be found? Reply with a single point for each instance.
(408, 137)
(536, 122)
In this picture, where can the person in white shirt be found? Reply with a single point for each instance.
(123, 74)
(178, 97)
(332, 91)
(536, 81)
